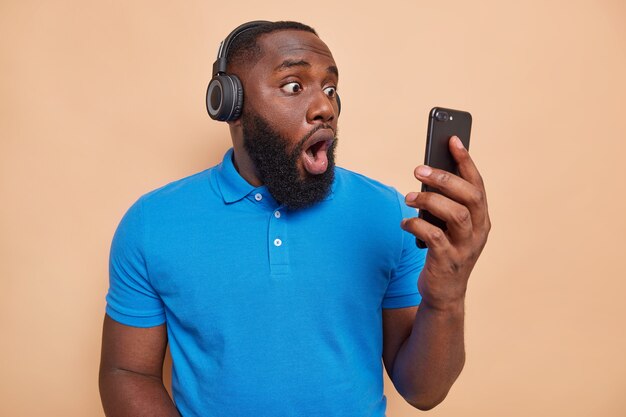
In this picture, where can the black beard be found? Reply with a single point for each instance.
(278, 168)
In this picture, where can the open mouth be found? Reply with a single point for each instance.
(315, 154)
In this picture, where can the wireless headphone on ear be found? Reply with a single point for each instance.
(224, 95)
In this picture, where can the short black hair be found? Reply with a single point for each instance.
(244, 49)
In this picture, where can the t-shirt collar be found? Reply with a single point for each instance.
(232, 185)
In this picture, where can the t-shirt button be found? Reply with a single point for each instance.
(277, 214)
(278, 242)
(258, 197)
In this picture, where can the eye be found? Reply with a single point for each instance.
(292, 87)
(330, 91)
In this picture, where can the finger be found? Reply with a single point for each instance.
(465, 163)
(447, 183)
(457, 217)
(435, 238)
(457, 189)
(467, 168)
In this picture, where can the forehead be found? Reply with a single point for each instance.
(293, 45)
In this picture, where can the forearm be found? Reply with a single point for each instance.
(432, 357)
(125, 393)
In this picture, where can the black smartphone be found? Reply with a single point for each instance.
(442, 125)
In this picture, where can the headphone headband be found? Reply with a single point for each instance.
(219, 66)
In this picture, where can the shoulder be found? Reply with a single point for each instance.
(181, 188)
(173, 200)
(349, 180)
(352, 185)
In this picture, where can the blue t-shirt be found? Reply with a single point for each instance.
(269, 312)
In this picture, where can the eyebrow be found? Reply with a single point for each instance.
(290, 63)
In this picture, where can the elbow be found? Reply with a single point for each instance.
(425, 404)
(426, 399)
(424, 407)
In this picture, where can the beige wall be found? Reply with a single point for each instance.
(103, 101)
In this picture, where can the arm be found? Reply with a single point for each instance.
(430, 356)
(423, 349)
(131, 369)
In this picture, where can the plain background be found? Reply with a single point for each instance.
(102, 101)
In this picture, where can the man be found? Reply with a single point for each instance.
(280, 280)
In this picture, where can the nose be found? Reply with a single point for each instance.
(321, 108)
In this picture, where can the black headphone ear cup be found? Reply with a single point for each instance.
(215, 97)
(238, 97)
(338, 104)
(224, 98)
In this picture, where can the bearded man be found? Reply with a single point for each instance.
(281, 282)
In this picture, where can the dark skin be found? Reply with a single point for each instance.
(289, 89)
(131, 371)
(292, 86)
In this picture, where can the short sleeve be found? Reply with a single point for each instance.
(131, 299)
(402, 290)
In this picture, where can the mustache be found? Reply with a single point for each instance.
(306, 137)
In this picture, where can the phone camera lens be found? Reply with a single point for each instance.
(442, 116)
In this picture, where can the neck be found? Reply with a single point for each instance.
(242, 161)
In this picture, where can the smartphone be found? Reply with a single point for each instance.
(442, 125)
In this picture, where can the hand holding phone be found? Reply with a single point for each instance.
(442, 125)
(462, 203)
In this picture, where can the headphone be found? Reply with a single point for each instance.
(224, 95)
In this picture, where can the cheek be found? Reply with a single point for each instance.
(287, 116)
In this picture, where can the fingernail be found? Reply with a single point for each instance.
(404, 222)
(424, 171)
(411, 196)
(457, 142)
